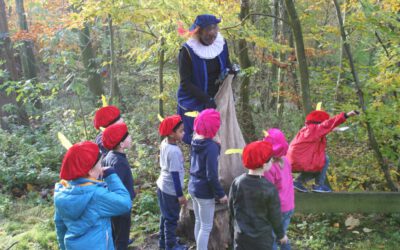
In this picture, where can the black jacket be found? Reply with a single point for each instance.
(255, 211)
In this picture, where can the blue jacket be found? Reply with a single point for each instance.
(83, 208)
(121, 165)
(203, 182)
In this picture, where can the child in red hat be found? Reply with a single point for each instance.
(254, 202)
(117, 139)
(83, 204)
(170, 182)
(104, 117)
(307, 150)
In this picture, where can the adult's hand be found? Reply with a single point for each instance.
(211, 104)
(223, 199)
(352, 113)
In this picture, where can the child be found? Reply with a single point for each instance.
(104, 117)
(117, 139)
(84, 205)
(307, 150)
(170, 182)
(280, 174)
(204, 186)
(254, 202)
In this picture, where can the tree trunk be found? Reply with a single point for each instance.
(300, 54)
(115, 93)
(274, 67)
(371, 135)
(341, 52)
(6, 50)
(245, 116)
(94, 81)
(26, 52)
(283, 72)
(161, 76)
(7, 54)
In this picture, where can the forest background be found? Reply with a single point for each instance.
(58, 57)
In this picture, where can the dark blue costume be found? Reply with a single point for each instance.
(198, 76)
(121, 224)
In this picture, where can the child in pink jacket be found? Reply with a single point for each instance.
(280, 174)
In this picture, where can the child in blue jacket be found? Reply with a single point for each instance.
(83, 204)
(117, 139)
(204, 186)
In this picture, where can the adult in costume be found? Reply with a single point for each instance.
(203, 64)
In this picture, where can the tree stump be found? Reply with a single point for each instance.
(220, 237)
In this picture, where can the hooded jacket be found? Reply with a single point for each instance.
(203, 182)
(307, 150)
(83, 208)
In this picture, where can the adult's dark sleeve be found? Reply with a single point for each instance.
(185, 72)
(274, 214)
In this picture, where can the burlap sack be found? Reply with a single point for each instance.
(230, 135)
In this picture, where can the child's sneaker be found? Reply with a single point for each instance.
(299, 187)
(321, 189)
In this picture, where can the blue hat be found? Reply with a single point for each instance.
(204, 20)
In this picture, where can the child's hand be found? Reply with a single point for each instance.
(223, 200)
(284, 240)
(352, 113)
(182, 200)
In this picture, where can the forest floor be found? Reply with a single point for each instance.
(27, 223)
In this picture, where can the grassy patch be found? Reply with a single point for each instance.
(27, 223)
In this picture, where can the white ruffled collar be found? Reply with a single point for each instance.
(207, 52)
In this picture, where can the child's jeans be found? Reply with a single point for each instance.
(204, 213)
(170, 209)
(285, 223)
(121, 226)
(318, 176)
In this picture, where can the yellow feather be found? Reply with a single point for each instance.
(64, 141)
(104, 100)
(192, 114)
(319, 105)
(234, 151)
(160, 118)
(265, 133)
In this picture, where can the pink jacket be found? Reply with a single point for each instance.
(283, 181)
(307, 150)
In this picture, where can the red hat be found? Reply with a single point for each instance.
(79, 159)
(317, 116)
(114, 134)
(168, 124)
(207, 123)
(256, 154)
(106, 116)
